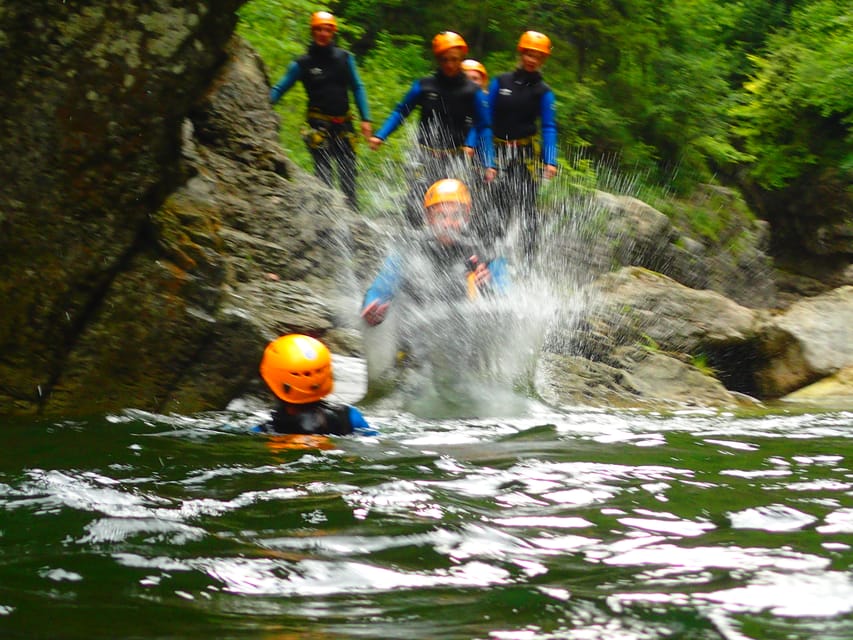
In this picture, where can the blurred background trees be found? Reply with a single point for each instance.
(752, 93)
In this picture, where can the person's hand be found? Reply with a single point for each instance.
(374, 313)
(482, 276)
(490, 174)
(549, 171)
(468, 151)
(366, 129)
(374, 142)
(479, 272)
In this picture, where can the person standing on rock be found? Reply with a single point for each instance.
(475, 70)
(518, 99)
(329, 74)
(454, 120)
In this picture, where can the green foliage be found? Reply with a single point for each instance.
(649, 344)
(701, 364)
(653, 84)
(797, 109)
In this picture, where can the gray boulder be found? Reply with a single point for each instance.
(812, 339)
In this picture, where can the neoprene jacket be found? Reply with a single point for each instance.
(517, 100)
(433, 272)
(317, 418)
(454, 113)
(328, 74)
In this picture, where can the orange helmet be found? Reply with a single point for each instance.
(447, 40)
(535, 41)
(297, 368)
(475, 65)
(319, 18)
(448, 190)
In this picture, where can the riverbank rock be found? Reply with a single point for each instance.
(644, 305)
(811, 340)
(728, 256)
(155, 235)
(630, 377)
(644, 339)
(835, 390)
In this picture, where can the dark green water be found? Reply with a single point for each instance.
(581, 525)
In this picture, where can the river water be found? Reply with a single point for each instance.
(552, 524)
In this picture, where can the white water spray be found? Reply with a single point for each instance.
(457, 357)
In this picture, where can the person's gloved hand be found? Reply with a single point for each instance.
(374, 313)
(479, 276)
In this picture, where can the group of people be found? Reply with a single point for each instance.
(499, 137)
(483, 147)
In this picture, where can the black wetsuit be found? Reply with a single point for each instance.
(517, 103)
(328, 75)
(316, 418)
(449, 108)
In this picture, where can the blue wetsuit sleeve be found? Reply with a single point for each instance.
(548, 108)
(359, 424)
(289, 79)
(500, 275)
(480, 135)
(386, 283)
(411, 100)
(358, 90)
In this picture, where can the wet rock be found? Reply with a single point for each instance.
(606, 229)
(812, 339)
(836, 389)
(643, 305)
(634, 377)
(154, 234)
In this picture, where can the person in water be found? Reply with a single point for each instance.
(454, 120)
(329, 74)
(517, 100)
(298, 370)
(444, 263)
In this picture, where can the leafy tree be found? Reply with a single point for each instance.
(797, 109)
(655, 83)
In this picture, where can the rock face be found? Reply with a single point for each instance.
(644, 339)
(811, 340)
(838, 386)
(154, 235)
(607, 229)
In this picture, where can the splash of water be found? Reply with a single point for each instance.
(478, 358)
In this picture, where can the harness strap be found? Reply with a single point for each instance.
(316, 115)
(520, 142)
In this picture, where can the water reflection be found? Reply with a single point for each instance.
(555, 525)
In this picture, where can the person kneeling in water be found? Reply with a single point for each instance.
(298, 370)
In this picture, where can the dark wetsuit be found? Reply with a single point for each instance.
(328, 75)
(454, 113)
(517, 100)
(316, 418)
(431, 272)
